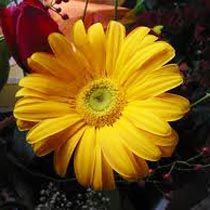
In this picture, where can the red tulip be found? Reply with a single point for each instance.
(26, 28)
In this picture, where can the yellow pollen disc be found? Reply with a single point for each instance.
(100, 103)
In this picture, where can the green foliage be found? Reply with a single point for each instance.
(4, 62)
(139, 7)
(4, 3)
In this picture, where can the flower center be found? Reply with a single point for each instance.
(100, 99)
(100, 103)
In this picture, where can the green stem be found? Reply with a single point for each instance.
(201, 100)
(85, 10)
(184, 169)
(206, 166)
(184, 163)
(172, 167)
(194, 158)
(115, 9)
(153, 181)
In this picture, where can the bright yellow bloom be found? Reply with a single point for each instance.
(101, 101)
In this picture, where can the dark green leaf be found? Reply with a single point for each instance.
(4, 3)
(4, 62)
(139, 6)
(20, 147)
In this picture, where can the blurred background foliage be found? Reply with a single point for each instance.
(4, 62)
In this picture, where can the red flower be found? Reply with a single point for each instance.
(26, 28)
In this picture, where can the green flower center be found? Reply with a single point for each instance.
(100, 99)
(100, 103)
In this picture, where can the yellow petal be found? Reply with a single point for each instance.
(82, 42)
(141, 75)
(133, 139)
(98, 175)
(144, 60)
(178, 104)
(103, 177)
(108, 176)
(43, 148)
(48, 85)
(160, 54)
(68, 56)
(79, 34)
(167, 151)
(149, 39)
(143, 169)
(64, 153)
(170, 140)
(41, 111)
(84, 158)
(27, 101)
(38, 68)
(115, 35)
(50, 127)
(26, 92)
(56, 141)
(24, 125)
(145, 120)
(43, 63)
(130, 45)
(61, 47)
(29, 92)
(115, 153)
(96, 39)
(166, 78)
(169, 107)
(48, 145)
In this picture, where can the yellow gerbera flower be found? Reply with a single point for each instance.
(102, 97)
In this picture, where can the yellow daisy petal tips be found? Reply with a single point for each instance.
(102, 102)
